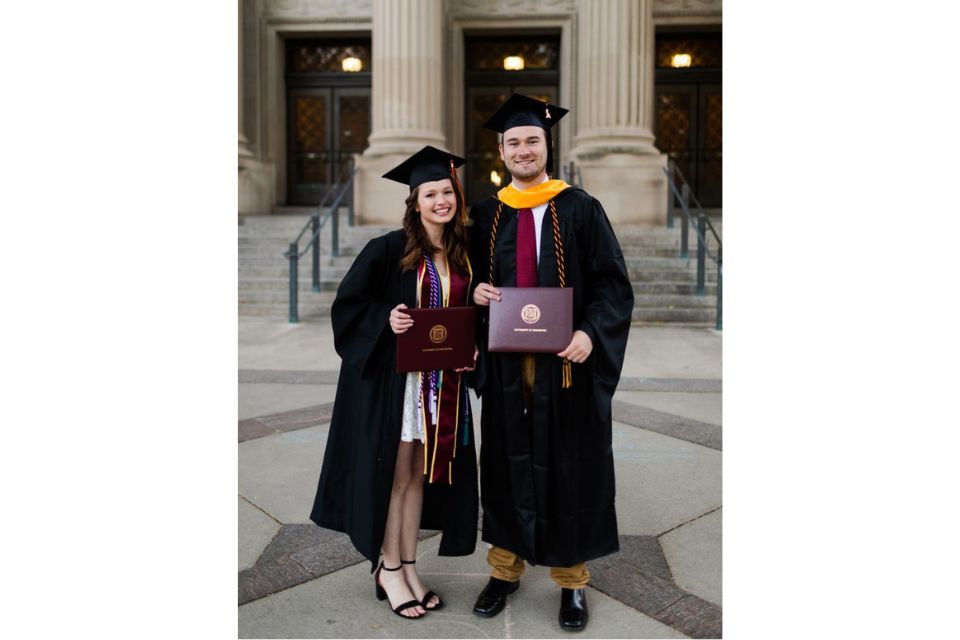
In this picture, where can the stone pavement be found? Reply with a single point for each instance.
(298, 580)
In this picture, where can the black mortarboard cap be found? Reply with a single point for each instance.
(520, 110)
(426, 165)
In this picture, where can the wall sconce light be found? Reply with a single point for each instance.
(681, 60)
(495, 178)
(513, 63)
(352, 65)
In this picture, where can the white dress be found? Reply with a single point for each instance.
(412, 414)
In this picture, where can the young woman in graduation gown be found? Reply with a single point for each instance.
(396, 459)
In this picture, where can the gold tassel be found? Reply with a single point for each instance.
(567, 374)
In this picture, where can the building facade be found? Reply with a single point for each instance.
(327, 85)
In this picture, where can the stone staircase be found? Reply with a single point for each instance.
(264, 271)
(663, 284)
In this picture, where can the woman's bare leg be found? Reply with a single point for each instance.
(393, 581)
(410, 527)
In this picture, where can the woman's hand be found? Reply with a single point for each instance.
(400, 321)
(484, 293)
(476, 352)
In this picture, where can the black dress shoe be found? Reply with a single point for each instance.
(573, 609)
(493, 598)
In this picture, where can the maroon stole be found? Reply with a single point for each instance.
(441, 388)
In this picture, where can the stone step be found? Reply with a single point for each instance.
(281, 284)
(275, 224)
(680, 283)
(267, 259)
(280, 245)
(278, 291)
(673, 238)
(347, 255)
(285, 215)
(677, 288)
(674, 301)
(254, 247)
(278, 254)
(280, 270)
(662, 250)
(305, 310)
(671, 316)
(672, 276)
(358, 235)
(305, 296)
(641, 315)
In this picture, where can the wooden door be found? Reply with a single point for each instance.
(689, 129)
(310, 114)
(710, 146)
(328, 126)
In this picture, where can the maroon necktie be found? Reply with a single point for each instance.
(526, 249)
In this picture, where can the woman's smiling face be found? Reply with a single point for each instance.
(436, 203)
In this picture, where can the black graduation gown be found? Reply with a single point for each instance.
(547, 481)
(353, 495)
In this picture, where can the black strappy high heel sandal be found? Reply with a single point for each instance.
(427, 595)
(382, 593)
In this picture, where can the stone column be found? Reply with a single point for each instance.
(613, 146)
(242, 150)
(254, 176)
(407, 101)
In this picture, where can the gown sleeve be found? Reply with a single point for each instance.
(609, 295)
(361, 311)
(480, 259)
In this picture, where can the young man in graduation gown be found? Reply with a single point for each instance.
(546, 463)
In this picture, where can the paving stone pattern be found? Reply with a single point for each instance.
(676, 385)
(679, 385)
(638, 575)
(260, 376)
(253, 428)
(668, 424)
(298, 553)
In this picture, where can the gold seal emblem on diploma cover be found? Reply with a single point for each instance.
(438, 333)
(530, 313)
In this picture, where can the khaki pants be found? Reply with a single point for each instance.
(508, 566)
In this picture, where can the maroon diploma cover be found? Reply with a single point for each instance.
(441, 338)
(531, 320)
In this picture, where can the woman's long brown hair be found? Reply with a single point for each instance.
(454, 236)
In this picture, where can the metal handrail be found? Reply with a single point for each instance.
(332, 213)
(697, 202)
(702, 225)
(317, 221)
(701, 237)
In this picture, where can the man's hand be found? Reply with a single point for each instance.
(579, 348)
(399, 321)
(484, 293)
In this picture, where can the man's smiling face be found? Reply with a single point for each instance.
(524, 151)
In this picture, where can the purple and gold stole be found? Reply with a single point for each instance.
(443, 403)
